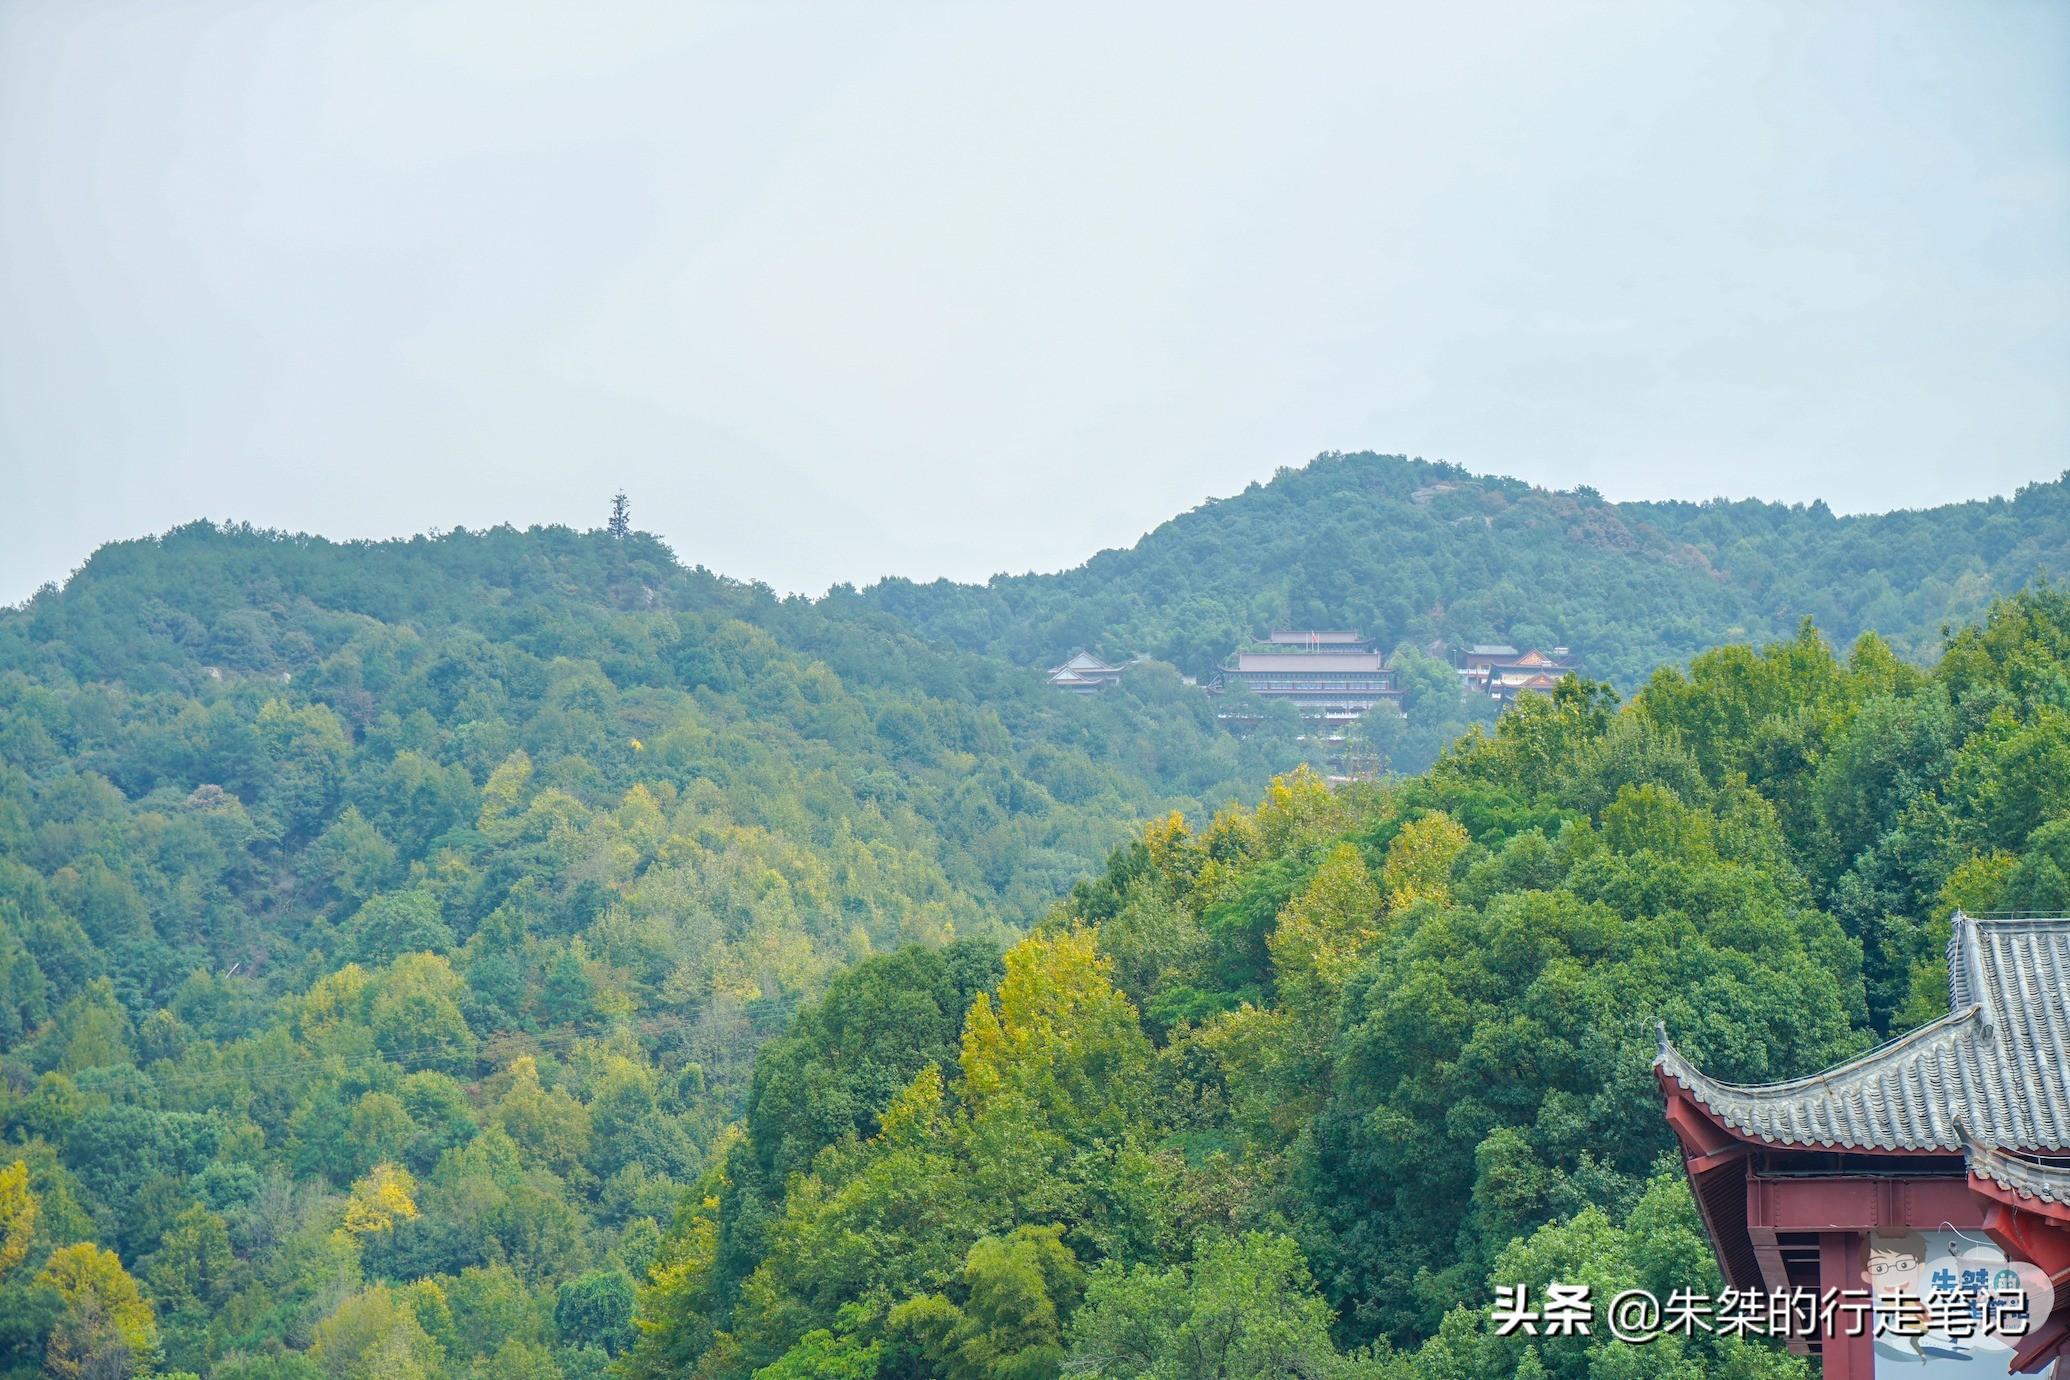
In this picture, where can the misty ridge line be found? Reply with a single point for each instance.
(1816, 510)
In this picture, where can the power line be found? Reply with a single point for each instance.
(329, 1063)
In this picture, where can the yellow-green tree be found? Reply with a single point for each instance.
(1325, 932)
(18, 1208)
(386, 1196)
(105, 1327)
(415, 1013)
(1062, 1042)
(375, 1335)
(550, 1125)
(194, 1270)
(1419, 861)
(1020, 1290)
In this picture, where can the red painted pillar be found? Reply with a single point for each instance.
(1842, 1260)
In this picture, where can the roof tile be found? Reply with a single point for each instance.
(1995, 1072)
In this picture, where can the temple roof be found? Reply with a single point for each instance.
(1320, 637)
(1307, 662)
(1993, 1074)
(2048, 1180)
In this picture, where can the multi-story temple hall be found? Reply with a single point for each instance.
(1332, 676)
(1949, 1144)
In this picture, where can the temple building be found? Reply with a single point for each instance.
(1332, 676)
(1319, 640)
(1084, 674)
(1502, 672)
(1922, 1150)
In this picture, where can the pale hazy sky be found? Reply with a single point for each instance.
(842, 290)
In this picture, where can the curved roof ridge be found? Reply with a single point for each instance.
(2028, 1176)
(1689, 1076)
(1995, 1070)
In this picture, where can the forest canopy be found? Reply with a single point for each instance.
(300, 841)
(1291, 1090)
(516, 954)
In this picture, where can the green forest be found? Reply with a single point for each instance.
(1418, 551)
(516, 954)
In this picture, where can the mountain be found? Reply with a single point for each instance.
(428, 958)
(321, 833)
(603, 663)
(1413, 550)
(1295, 1091)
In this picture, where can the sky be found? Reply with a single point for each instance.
(837, 291)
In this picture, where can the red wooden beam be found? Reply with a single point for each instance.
(2029, 1229)
(1775, 1276)
(1861, 1203)
(1701, 1134)
(2057, 1213)
(2025, 1235)
(1703, 1164)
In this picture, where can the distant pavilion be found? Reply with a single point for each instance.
(1332, 676)
(1501, 671)
(1084, 674)
(1963, 1125)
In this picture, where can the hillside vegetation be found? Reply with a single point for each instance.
(516, 955)
(1409, 550)
(1290, 1091)
(302, 842)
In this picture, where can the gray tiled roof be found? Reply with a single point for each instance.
(1307, 661)
(2048, 1181)
(1997, 1067)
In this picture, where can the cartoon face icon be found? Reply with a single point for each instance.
(1894, 1261)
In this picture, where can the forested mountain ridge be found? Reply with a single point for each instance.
(576, 648)
(1413, 550)
(1291, 1092)
(428, 960)
(300, 840)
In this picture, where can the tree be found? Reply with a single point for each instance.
(193, 1271)
(386, 1196)
(596, 1308)
(1326, 931)
(551, 1126)
(416, 1016)
(1246, 1310)
(627, 1125)
(1063, 1041)
(1419, 860)
(352, 858)
(439, 1115)
(104, 1328)
(91, 1031)
(823, 1354)
(375, 1335)
(1020, 1291)
(566, 996)
(844, 1058)
(397, 923)
(485, 1305)
(380, 1129)
(18, 1208)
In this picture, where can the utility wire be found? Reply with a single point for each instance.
(319, 1063)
